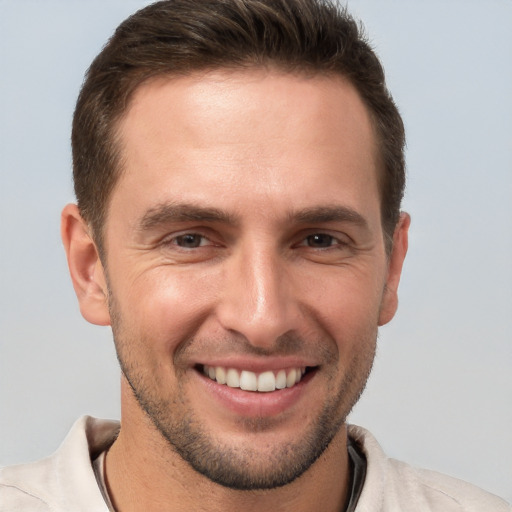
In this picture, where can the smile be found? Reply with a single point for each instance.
(246, 380)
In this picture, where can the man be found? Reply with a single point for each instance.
(239, 170)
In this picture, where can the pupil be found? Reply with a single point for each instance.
(189, 241)
(320, 240)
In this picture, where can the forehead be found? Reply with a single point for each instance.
(223, 99)
(250, 134)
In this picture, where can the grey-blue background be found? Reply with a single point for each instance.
(441, 392)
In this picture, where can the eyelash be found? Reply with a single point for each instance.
(175, 240)
(332, 241)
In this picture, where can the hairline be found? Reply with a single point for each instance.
(98, 224)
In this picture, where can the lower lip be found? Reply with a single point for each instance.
(252, 404)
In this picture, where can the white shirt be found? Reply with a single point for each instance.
(66, 482)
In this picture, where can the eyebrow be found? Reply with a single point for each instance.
(168, 213)
(321, 214)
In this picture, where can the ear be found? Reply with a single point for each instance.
(389, 303)
(85, 267)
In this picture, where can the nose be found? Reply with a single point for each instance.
(258, 299)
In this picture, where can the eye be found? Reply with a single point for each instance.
(320, 241)
(190, 240)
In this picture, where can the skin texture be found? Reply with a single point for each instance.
(245, 231)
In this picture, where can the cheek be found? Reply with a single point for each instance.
(166, 305)
(347, 303)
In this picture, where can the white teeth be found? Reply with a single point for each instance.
(220, 375)
(266, 381)
(249, 381)
(281, 379)
(290, 378)
(232, 378)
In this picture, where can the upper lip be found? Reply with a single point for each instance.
(258, 365)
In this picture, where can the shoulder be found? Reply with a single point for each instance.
(392, 485)
(16, 495)
(63, 481)
(436, 491)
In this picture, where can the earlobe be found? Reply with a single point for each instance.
(85, 267)
(389, 303)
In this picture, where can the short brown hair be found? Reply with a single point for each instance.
(177, 37)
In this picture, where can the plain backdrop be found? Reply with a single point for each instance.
(441, 392)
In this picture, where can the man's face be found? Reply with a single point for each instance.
(244, 242)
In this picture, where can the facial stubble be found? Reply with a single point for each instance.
(234, 466)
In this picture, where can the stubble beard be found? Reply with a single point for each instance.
(234, 466)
